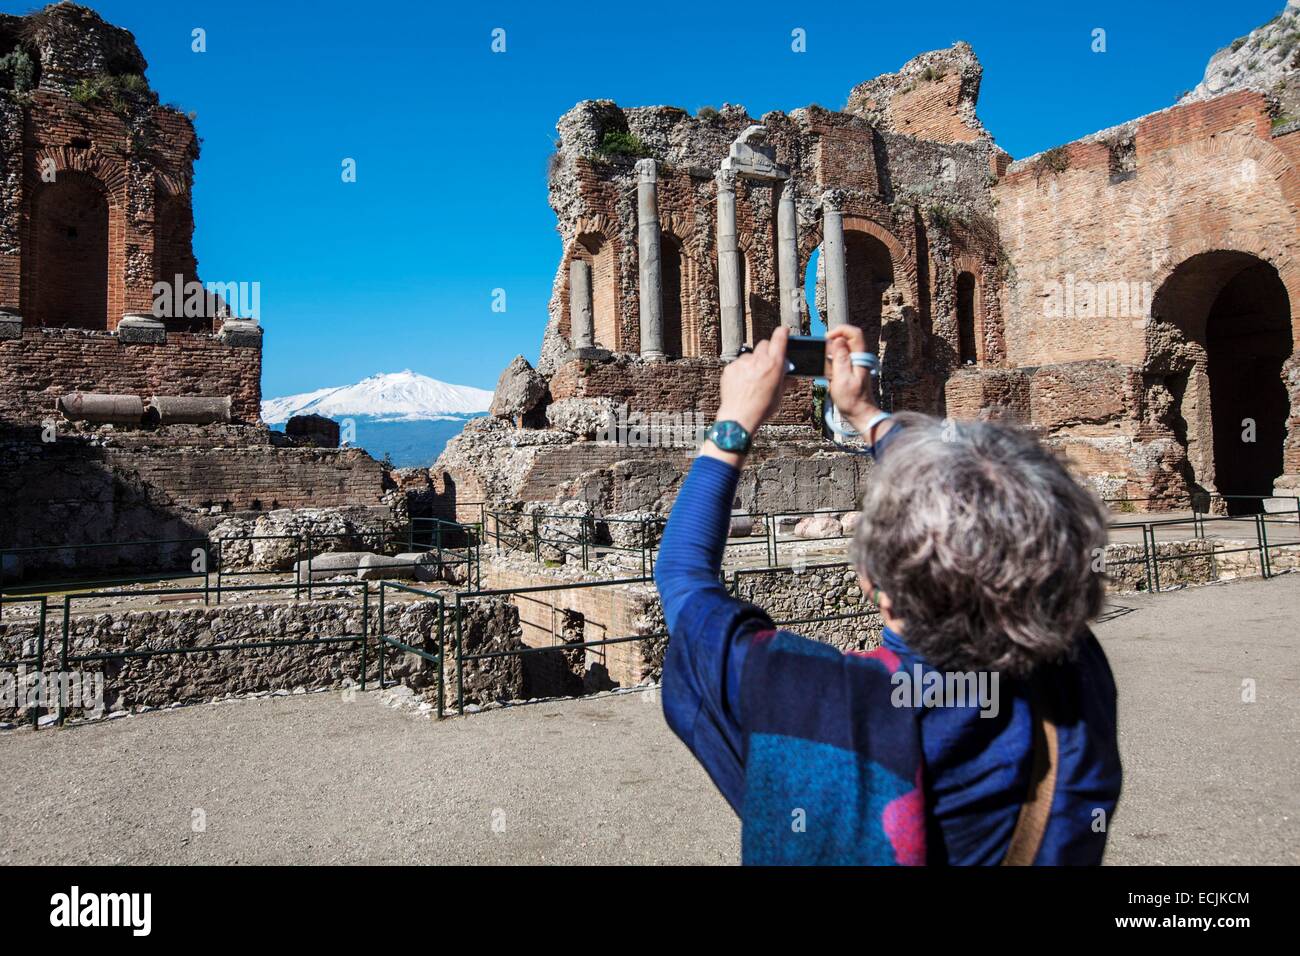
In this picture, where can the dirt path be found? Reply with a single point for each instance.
(319, 778)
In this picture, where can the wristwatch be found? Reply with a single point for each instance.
(729, 436)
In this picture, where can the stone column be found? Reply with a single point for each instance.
(787, 258)
(581, 327)
(647, 234)
(833, 260)
(730, 287)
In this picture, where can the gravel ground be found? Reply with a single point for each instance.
(322, 779)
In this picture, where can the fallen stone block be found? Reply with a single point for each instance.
(408, 566)
(425, 565)
(332, 565)
(818, 526)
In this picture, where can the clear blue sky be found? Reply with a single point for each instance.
(451, 141)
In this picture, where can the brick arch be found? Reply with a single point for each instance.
(109, 173)
(607, 312)
(1222, 342)
(1161, 182)
(1175, 257)
(760, 312)
(599, 251)
(679, 273)
(682, 227)
(173, 233)
(972, 327)
(73, 261)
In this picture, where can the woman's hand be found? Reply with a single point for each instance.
(850, 385)
(752, 384)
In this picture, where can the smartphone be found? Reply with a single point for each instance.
(806, 355)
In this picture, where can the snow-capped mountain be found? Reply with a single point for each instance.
(393, 397)
(403, 415)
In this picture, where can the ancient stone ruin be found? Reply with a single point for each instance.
(1132, 296)
(129, 390)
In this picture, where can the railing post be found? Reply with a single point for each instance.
(1261, 534)
(1146, 559)
(537, 539)
(309, 575)
(63, 652)
(460, 664)
(584, 542)
(40, 666)
(383, 632)
(1155, 558)
(442, 658)
(365, 629)
(645, 543)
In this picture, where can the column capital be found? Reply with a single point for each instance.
(647, 171)
(726, 180)
(833, 200)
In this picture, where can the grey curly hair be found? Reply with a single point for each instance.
(984, 544)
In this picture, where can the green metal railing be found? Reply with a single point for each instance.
(458, 620)
(156, 545)
(1151, 559)
(214, 573)
(385, 641)
(66, 658)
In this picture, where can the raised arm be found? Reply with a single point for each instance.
(709, 629)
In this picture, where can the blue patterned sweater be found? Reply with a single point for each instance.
(806, 746)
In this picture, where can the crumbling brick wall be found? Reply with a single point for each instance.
(46, 363)
(685, 386)
(1111, 243)
(95, 210)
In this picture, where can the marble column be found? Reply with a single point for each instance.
(787, 258)
(730, 285)
(651, 279)
(581, 327)
(833, 260)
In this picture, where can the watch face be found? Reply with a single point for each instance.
(729, 436)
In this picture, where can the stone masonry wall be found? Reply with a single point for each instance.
(73, 491)
(134, 683)
(687, 385)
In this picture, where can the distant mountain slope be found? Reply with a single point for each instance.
(405, 415)
(392, 397)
